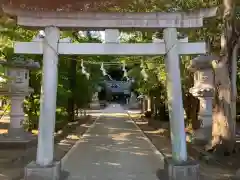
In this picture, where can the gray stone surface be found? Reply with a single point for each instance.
(237, 175)
(17, 140)
(182, 171)
(202, 135)
(36, 172)
(113, 149)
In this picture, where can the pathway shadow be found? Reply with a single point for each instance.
(162, 174)
(64, 175)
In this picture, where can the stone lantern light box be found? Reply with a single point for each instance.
(203, 75)
(17, 71)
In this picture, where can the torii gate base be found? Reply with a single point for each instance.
(188, 170)
(34, 171)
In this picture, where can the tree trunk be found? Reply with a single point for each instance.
(223, 131)
(191, 103)
(191, 107)
(72, 84)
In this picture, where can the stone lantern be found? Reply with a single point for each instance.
(204, 90)
(133, 102)
(95, 104)
(17, 88)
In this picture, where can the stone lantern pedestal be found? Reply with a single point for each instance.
(205, 96)
(204, 90)
(17, 88)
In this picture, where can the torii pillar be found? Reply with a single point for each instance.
(44, 166)
(178, 168)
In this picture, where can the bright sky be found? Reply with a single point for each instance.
(82, 33)
(94, 33)
(102, 33)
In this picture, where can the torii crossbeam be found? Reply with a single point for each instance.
(144, 49)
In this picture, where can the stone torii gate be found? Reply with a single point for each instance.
(51, 47)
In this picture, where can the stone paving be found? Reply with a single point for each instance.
(114, 148)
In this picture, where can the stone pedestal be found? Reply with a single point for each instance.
(203, 135)
(188, 170)
(16, 136)
(36, 172)
(95, 105)
(16, 116)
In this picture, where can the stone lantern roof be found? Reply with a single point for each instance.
(18, 63)
(202, 62)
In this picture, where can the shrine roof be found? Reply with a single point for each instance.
(67, 5)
